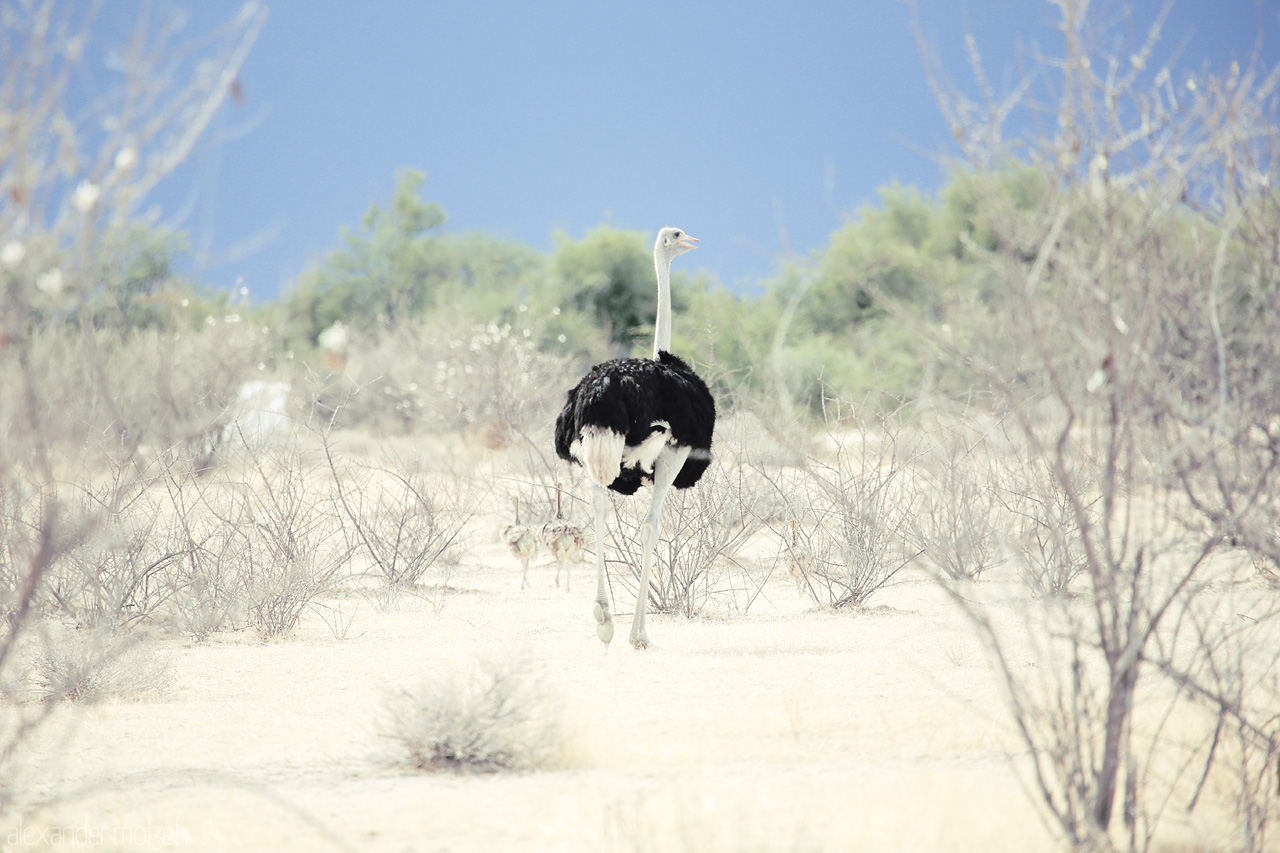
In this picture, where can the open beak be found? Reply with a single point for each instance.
(684, 241)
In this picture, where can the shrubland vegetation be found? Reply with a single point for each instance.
(1063, 369)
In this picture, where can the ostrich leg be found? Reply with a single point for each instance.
(665, 469)
(604, 628)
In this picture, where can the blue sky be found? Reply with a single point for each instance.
(755, 126)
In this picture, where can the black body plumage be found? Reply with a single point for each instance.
(629, 396)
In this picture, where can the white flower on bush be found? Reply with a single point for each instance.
(333, 339)
(86, 196)
(126, 158)
(12, 254)
(50, 281)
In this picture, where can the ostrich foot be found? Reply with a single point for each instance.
(640, 640)
(604, 627)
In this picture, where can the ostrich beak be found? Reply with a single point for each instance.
(684, 241)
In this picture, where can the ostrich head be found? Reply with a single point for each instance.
(672, 242)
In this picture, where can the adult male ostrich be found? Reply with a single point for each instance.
(636, 420)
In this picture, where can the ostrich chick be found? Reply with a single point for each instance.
(563, 540)
(522, 541)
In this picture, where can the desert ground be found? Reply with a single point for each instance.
(785, 727)
(782, 730)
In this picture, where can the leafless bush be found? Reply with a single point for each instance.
(1130, 267)
(124, 572)
(1225, 656)
(854, 508)
(956, 523)
(11, 558)
(1044, 528)
(77, 160)
(292, 547)
(400, 520)
(207, 593)
(696, 567)
(277, 593)
(338, 621)
(489, 715)
(258, 551)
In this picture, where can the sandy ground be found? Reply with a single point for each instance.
(783, 729)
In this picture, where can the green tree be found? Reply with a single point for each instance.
(399, 266)
(609, 277)
(387, 272)
(140, 286)
(885, 252)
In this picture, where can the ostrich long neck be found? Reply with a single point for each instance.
(662, 326)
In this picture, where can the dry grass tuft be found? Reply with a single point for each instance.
(487, 716)
(89, 666)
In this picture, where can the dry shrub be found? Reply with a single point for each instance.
(1044, 527)
(123, 573)
(92, 665)
(89, 371)
(292, 546)
(172, 393)
(259, 550)
(957, 525)
(1127, 247)
(854, 507)
(487, 379)
(696, 567)
(486, 716)
(207, 592)
(402, 520)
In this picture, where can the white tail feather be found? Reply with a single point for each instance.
(600, 452)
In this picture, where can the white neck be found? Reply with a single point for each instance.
(662, 326)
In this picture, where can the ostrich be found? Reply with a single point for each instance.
(636, 420)
(563, 540)
(522, 542)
